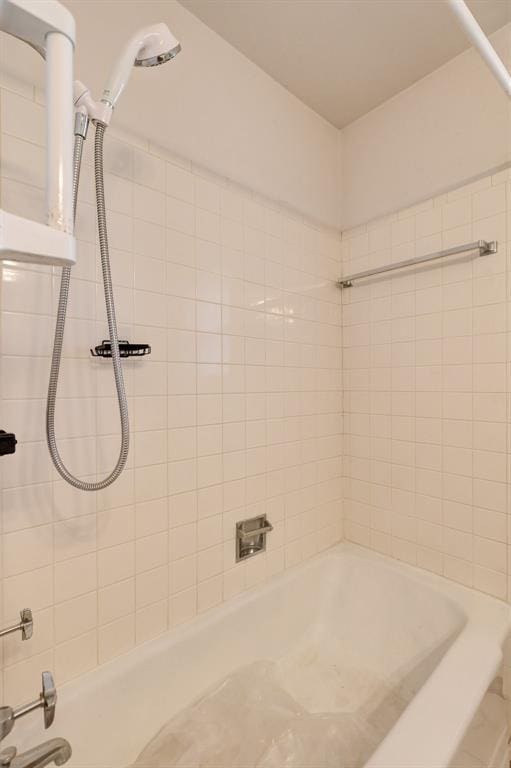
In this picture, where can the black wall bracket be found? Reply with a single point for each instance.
(7, 442)
(125, 349)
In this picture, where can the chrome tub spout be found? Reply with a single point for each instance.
(56, 751)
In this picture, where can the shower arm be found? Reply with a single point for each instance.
(480, 41)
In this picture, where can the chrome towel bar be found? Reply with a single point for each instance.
(484, 247)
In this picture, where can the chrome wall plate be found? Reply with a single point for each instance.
(251, 536)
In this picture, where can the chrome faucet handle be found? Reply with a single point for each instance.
(47, 701)
(25, 625)
(49, 698)
(6, 721)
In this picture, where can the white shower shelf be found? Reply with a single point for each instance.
(30, 241)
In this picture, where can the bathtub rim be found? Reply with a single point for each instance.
(473, 605)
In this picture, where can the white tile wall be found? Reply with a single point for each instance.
(427, 383)
(236, 412)
(238, 409)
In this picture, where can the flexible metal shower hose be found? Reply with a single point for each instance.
(112, 326)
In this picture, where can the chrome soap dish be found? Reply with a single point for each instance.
(251, 536)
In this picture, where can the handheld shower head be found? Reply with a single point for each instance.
(148, 47)
(159, 45)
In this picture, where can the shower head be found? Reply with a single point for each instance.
(159, 45)
(148, 47)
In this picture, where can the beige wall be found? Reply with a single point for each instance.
(215, 107)
(210, 105)
(445, 130)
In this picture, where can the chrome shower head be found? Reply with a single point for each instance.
(148, 47)
(159, 46)
(161, 58)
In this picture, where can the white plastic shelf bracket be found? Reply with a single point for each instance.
(50, 29)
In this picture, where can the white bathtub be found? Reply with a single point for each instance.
(440, 643)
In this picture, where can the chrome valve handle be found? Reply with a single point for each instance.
(49, 698)
(47, 701)
(25, 625)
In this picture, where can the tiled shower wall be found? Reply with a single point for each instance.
(236, 412)
(238, 409)
(427, 382)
